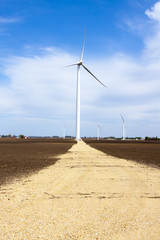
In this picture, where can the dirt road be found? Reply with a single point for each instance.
(85, 195)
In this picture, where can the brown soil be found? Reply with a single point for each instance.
(19, 157)
(140, 151)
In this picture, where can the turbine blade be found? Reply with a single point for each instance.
(83, 46)
(71, 65)
(93, 75)
(122, 117)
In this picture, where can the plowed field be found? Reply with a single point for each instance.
(19, 157)
(140, 151)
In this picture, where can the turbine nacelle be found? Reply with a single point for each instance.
(80, 63)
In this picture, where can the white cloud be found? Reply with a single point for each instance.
(154, 12)
(38, 83)
(152, 42)
(39, 88)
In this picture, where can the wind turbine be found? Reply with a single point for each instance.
(79, 64)
(98, 130)
(123, 128)
(64, 133)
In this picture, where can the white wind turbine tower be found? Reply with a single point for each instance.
(64, 133)
(79, 64)
(98, 130)
(123, 128)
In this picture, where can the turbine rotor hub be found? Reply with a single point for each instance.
(80, 63)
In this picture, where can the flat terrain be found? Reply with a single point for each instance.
(140, 151)
(86, 194)
(19, 157)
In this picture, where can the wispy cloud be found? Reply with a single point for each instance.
(136, 3)
(136, 25)
(8, 20)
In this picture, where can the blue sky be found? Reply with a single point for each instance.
(38, 38)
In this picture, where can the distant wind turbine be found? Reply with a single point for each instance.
(123, 128)
(64, 133)
(79, 64)
(98, 130)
